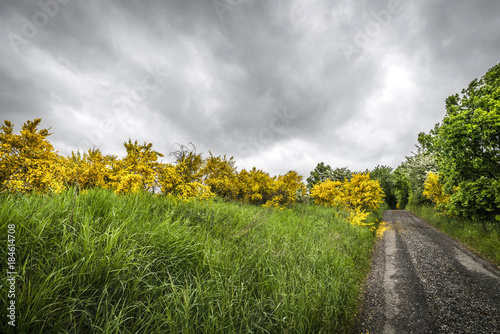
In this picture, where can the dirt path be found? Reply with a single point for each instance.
(424, 282)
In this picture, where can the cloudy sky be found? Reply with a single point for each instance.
(280, 85)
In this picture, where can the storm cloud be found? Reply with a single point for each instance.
(280, 85)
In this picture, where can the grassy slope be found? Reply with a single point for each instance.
(484, 239)
(144, 264)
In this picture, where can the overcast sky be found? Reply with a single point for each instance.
(280, 85)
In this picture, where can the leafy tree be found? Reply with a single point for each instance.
(386, 179)
(402, 187)
(324, 172)
(320, 174)
(341, 174)
(468, 148)
(415, 170)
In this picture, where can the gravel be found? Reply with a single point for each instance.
(422, 281)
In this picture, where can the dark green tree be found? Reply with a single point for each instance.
(467, 145)
(324, 172)
(319, 174)
(384, 176)
(341, 173)
(401, 187)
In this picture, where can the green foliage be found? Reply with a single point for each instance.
(384, 175)
(341, 174)
(402, 188)
(140, 263)
(324, 172)
(483, 237)
(411, 175)
(467, 145)
(320, 173)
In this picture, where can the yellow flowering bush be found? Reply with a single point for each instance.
(28, 161)
(433, 190)
(329, 193)
(138, 170)
(172, 182)
(359, 196)
(362, 193)
(219, 174)
(90, 169)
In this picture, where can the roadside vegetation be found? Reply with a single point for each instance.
(133, 244)
(453, 181)
(140, 263)
(483, 237)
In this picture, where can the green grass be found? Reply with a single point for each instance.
(146, 264)
(484, 238)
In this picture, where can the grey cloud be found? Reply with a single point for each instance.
(224, 79)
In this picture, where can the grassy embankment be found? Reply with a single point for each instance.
(484, 238)
(145, 264)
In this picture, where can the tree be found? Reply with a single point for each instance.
(412, 174)
(324, 172)
(341, 174)
(467, 145)
(402, 187)
(319, 174)
(386, 179)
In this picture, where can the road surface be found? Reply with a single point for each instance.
(422, 281)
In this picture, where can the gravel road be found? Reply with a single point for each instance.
(422, 281)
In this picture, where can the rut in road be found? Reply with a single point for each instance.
(422, 281)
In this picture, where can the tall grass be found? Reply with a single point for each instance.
(146, 264)
(483, 237)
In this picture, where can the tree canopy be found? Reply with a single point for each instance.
(467, 148)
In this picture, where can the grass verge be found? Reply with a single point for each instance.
(484, 238)
(146, 264)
